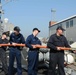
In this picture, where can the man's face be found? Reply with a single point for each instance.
(4, 36)
(16, 32)
(36, 32)
(60, 32)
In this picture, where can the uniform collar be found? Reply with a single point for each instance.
(33, 36)
(16, 35)
(57, 35)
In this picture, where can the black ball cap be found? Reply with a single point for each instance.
(60, 27)
(4, 33)
(17, 28)
(36, 29)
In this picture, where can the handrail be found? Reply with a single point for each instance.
(37, 46)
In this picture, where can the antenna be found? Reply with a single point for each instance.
(53, 15)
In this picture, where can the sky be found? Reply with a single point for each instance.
(28, 14)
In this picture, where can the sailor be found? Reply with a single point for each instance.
(31, 43)
(56, 41)
(3, 57)
(15, 52)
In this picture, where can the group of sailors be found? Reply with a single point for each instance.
(55, 41)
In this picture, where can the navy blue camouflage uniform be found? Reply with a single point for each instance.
(32, 54)
(15, 52)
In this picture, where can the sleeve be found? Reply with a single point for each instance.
(10, 39)
(28, 44)
(50, 43)
(66, 42)
(0, 41)
(7, 41)
(22, 40)
(40, 42)
(67, 45)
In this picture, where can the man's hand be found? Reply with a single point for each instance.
(58, 48)
(8, 43)
(34, 46)
(74, 51)
(37, 45)
(14, 44)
